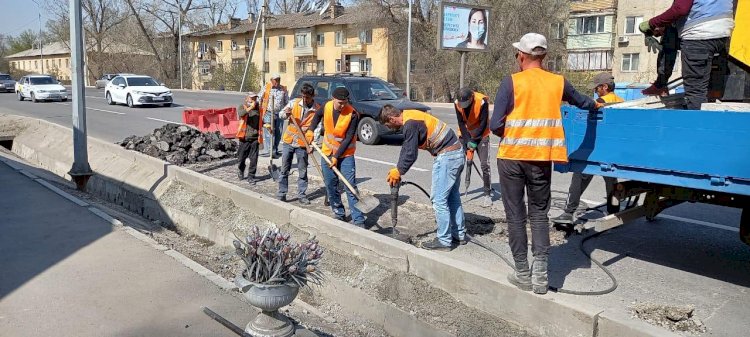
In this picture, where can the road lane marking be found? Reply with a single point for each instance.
(95, 109)
(164, 120)
(389, 163)
(95, 97)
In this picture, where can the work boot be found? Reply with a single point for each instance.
(303, 200)
(565, 218)
(487, 201)
(435, 244)
(461, 242)
(521, 277)
(281, 198)
(655, 91)
(240, 175)
(263, 154)
(251, 180)
(539, 275)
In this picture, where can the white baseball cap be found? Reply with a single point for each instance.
(276, 75)
(252, 94)
(530, 41)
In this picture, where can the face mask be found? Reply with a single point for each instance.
(476, 30)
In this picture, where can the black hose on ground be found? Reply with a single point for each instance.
(554, 289)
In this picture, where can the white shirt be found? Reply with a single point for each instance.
(713, 29)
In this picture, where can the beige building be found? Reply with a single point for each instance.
(632, 60)
(54, 60)
(337, 40)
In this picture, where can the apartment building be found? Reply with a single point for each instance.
(53, 59)
(632, 61)
(590, 35)
(336, 40)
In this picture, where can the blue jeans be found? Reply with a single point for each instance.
(287, 154)
(277, 126)
(446, 195)
(348, 169)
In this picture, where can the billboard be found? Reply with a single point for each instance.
(463, 27)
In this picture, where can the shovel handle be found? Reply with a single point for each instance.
(335, 170)
(307, 145)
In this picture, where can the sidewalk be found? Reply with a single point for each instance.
(68, 272)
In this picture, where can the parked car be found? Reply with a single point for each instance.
(7, 84)
(41, 88)
(102, 82)
(396, 90)
(367, 94)
(136, 90)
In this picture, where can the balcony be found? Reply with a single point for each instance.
(354, 48)
(304, 51)
(241, 53)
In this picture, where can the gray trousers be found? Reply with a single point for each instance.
(697, 58)
(483, 151)
(578, 183)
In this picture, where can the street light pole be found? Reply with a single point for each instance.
(81, 171)
(408, 56)
(179, 34)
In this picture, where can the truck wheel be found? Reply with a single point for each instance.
(368, 131)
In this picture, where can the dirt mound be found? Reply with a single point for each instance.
(180, 144)
(673, 317)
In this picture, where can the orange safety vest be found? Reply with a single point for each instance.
(472, 120)
(264, 98)
(292, 134)
(436, 129)
(242, 126)
(611, 98)
(533, 129)
(335, 134)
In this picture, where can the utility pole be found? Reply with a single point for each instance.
(252, 44)
(179, 37)
(408, 56)
(41, 50)
(263, 12)
(81, 171)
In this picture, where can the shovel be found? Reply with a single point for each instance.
(366, 205)
(315, 161)
(272, 168)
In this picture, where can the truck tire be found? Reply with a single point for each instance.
(368, 131)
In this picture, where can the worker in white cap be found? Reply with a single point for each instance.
(274, 99)
(527, 118)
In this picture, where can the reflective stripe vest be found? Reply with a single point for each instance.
(265, 97)
(436, 129)
(292, 134)
(472, 120)
(533, 129)
(612, 98)
(335, 134)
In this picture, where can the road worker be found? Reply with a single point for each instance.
(473, 114)
(249, 136)
(302, 110)
(274, 99)
(527, 118)
(340, 122)
(423, 131)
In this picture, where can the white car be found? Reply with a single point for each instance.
(41, 88)
(137, 90)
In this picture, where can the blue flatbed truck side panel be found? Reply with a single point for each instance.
(707, 150)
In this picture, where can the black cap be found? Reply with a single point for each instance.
(341, 93)
(465, 97)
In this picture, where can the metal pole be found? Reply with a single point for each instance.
(408, 56)
(81, 171)
(263, 36)
(252, 48)
(179, 38)
(463, 69)
(41, 49)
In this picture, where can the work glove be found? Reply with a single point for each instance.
(645, 28)
(598, 105)
(267, 125)
(394, 177)
(652, 44)
(309, 137)
(471, 145)
(470, 154)
(334, 161)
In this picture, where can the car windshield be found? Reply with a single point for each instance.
(142, 82)
(42, 80)
(371, 91)
(5, 78)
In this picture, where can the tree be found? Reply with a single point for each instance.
(28, 39)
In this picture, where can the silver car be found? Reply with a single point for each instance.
(7, 84)
(102, 82)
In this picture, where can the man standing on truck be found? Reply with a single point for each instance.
(604, 86)
(340, 122)
(527, 118)
(704, 27)
(302, 110)
(423, 131)
(274, 99)
(473, 114)
(249, 137)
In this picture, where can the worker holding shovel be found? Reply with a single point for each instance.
(423, 131)
(473, 114)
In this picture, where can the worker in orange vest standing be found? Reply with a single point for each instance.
(248, 136)
(273, 100)
(527, 118)
(340, 122)
(473, 114)
(302, 110)
(423, 131)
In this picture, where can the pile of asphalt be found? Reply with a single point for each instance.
(179, 144)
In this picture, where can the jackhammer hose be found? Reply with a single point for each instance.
(554, 289)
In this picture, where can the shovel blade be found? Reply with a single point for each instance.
(275, 172)
(367, 204)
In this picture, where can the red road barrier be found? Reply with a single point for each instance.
(223, 120)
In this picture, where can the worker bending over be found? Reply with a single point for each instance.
(473, 114)
(340, 122)
(302, 110)
(423, 131)
(604, 86)
(249, 136)
(527, 117)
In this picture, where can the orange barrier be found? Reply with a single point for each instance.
(209, 120)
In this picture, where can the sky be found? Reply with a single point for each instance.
(19, 15)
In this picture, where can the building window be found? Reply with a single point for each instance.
(590, 60)
(630, 62)
(67, 63)
(282, 42)
(365, 65)
(321, 39)
(36, 64)
(590, 25)
(300, 66)
(300, 40)
(59, 63)
(365, 36)
(282, 66)
(321, 66)
(340, 38)
(555, 64)
(46, 63)
(202, 47)
(234, 45)
(631, 24)
(267, 43)
(219, 46)
(338, 66)
(557, 31)
(266, 67)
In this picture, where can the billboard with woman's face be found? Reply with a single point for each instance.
(463, 27)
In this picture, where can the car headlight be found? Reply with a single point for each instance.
(139, 92)
(168, 93)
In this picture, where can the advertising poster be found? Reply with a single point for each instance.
(464, 27)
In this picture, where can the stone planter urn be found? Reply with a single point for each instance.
(268, 298)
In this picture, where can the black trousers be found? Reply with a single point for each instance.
(483, 150)
(578, 183)
(670, 44)
(534, 179)
(697, 58)
(248, 150)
